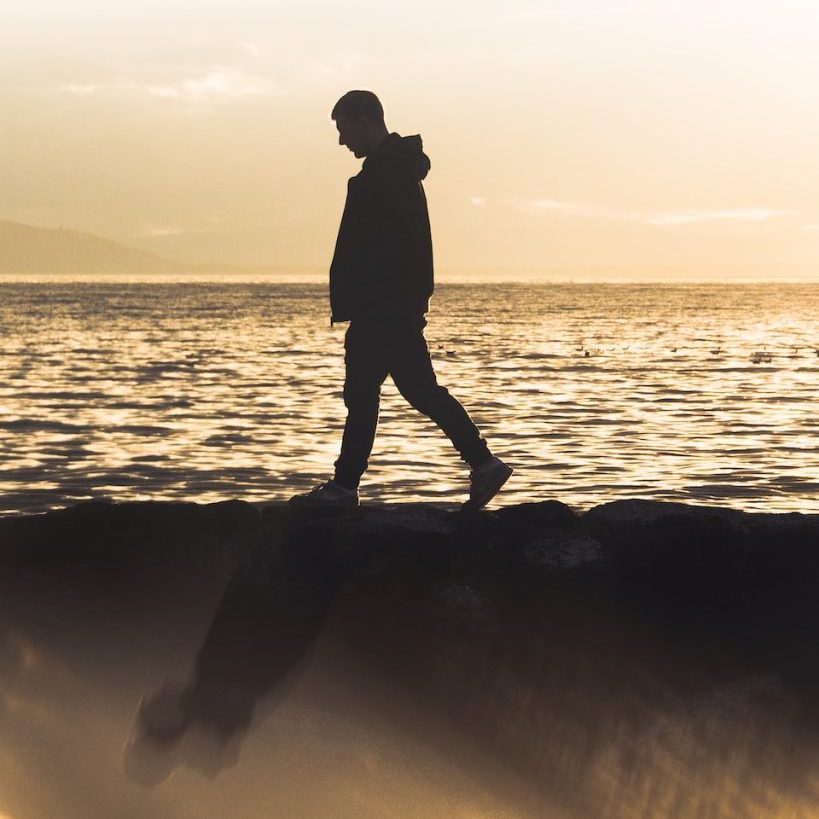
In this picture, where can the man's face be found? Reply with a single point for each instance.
(351, 133)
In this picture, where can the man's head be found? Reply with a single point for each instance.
(359, 118)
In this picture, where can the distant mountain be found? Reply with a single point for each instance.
(26, 249)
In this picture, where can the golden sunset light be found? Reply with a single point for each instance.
(639, 138)
(408, 410)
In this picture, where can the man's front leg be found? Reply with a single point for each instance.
(359, 435)
(366, 362)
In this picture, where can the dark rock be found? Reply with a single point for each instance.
(129, 545)
(538, 516)
(596, 652)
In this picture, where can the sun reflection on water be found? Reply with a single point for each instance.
(211, 390)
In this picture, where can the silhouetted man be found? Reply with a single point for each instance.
(381, 281)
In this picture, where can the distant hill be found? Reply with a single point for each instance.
(26, 249)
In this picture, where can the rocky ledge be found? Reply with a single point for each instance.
(599, 653)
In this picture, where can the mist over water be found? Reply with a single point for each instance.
(212, 390)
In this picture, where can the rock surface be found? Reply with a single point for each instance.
(602, 654)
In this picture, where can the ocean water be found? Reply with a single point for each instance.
(214, 390)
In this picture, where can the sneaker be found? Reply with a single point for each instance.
(326, 495)
(485, 482)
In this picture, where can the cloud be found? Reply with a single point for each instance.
(551, 10)
(253, 50)
(571, 209)
(216, 86)
(204, 77)
(478, 201)
(687, 217)
(80, 90)
(157, 231)
(199, 86)
(664, 219)
(165, 231)
(811, 227)
(220, 83)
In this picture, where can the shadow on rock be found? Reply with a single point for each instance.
(642, 659)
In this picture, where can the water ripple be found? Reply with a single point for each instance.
(208, 391)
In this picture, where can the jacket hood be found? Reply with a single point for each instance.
(407, 150)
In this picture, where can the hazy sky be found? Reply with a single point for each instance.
(563, 135)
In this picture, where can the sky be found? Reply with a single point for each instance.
(575, 135)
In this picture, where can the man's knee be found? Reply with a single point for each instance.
(361, 395)
(425, 398)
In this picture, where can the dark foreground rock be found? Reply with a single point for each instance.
(642, 659)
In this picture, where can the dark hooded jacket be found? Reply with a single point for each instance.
(382, 265)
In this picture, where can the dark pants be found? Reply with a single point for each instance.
(378, 347)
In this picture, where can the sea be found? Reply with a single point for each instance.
(217, 389)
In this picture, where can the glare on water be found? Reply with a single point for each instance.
(214, 390)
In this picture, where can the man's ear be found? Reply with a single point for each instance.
(361, 122)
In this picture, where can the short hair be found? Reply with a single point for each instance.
(359, 103)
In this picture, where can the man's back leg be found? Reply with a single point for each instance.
(414, 375)
(415, 378)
